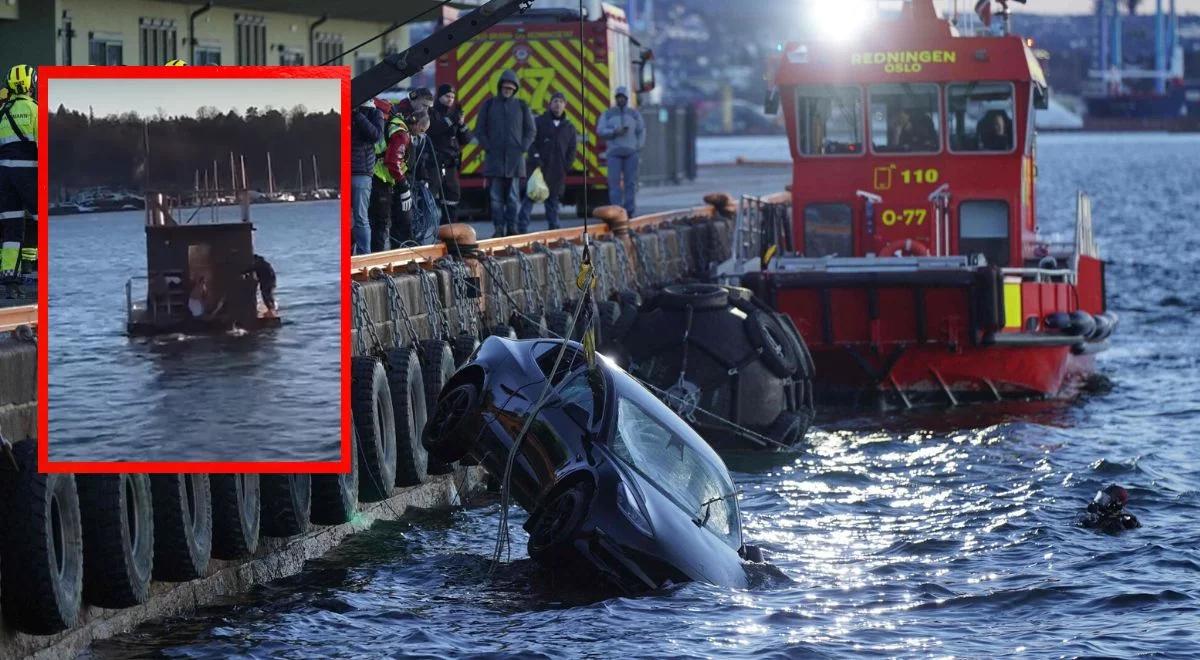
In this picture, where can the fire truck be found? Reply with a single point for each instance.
(551, 50)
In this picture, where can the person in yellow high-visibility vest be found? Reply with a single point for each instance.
(18, 174)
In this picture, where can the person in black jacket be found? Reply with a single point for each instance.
(553, 150)
(365, 130)
(265, 275)
(449, 133)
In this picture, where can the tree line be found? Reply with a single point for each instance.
(88, 151)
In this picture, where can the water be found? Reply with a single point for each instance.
(937, 533)
(264, 396)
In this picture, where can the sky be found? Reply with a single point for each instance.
(182, 97)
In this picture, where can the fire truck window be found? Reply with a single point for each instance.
(829, 121)
(981, 116)
(828, 230)
(905, 118)
(983, 229)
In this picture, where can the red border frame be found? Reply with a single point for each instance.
(48, 73)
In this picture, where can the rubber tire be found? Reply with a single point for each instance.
(39, 597)
(286, 504)
(804, 366)
(765, 334)
(789, 428)
(406, 382)
(444, 436)
(237, 514)
(118, 538)
(182, 526)
(630, 305)
(462, 347)
(335, 496)
(527, 329)
(608, 316)
(502, 330)
(556, 324)
(550, 539)
(437, 367)
(371, 403)
(698, 295)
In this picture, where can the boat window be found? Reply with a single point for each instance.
(905, 118)
(983, 229)
(829, 120)
(669, 462)
(980, 116)
(828, 230)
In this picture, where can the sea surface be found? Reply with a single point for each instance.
(940, 533)
(263, 396)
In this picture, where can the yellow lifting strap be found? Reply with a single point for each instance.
(585, 281)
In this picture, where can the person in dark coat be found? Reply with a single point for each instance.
(505, 131)
(366, 129)
(554, 151)
(265, 274)
(448, 131)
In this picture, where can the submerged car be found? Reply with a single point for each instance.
(615, 483)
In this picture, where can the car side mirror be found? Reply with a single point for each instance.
(771, 102)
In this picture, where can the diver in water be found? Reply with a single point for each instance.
(1106, 511)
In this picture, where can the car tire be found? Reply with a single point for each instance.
(445, 435)
(552, 533)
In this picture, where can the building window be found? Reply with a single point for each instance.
(291, 57)
(362, 64)
(980, 116)
(158, 41)
(67, 34)
(983, 229)
(251, 39)
(207, 55)
(829, 120)
(105, 50)
(327, 48)
(828, 230)
(905, 118)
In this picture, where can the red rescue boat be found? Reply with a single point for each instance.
(908, 254)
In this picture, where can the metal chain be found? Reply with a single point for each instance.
(399, 311)
(685, 266)
(495, 281)
(468, 321)
(603, 276)
(439, 324)
(558, 285)
(623, 263)
(645, 264)
(533, 294)
(362, 321)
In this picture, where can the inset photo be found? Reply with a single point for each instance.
(195, 272)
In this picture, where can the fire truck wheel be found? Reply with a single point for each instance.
(408, 407)
(335, 496)
(118, 538)
(437, 366)
(182, 526)
(286, 503)
(371, 403)
(699, 295)
(770, 339)
(41, 547)
(237, 514)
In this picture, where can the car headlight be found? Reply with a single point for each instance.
(628, 505)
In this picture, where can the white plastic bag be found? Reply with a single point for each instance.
(537, 190)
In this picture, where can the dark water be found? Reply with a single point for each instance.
(267, 396)
(943, 533)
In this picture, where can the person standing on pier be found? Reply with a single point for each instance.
(449, 132)
(505, 130)
(625, 132)
(553, 151)
(365, 131)
(18, 174)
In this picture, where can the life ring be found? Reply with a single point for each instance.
(905, 247)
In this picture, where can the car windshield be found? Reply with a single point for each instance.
(682, 473)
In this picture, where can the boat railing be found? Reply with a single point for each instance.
(760, 223)
(1042, 275)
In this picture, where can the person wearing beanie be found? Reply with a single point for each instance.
(449, 134)
(625, 132)
(505, 131)
(553, 150)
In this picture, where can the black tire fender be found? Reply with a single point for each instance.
(41, 547)
(699, 295)
(771, 340)
(462, 347)
(789, 428)
(118, 538)
(286, 504)
(608, 314)
(182, 526)
(335, 496)
(437, 366)
(557, 322)
(237, 514)
(805, 367)
(502, 330)
(407, 386)
(371, 403)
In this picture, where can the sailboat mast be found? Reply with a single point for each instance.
(270, 177)
(316, 174)
(300, 171)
